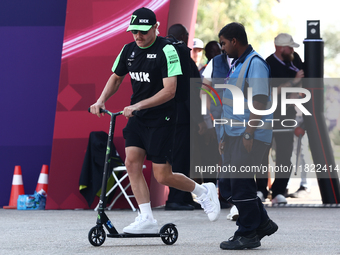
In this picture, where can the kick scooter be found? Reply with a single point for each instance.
(97, 235)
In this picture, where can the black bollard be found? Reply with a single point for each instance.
(315, 124)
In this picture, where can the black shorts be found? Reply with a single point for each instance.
(156, 141)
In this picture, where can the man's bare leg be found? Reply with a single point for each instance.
(134, 164)
(144, 223)
(206, 193)
(164, 175)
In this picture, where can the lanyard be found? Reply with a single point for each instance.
(230, 72)
(292, 67)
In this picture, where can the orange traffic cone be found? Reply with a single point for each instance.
(43, 179)
(17, 188)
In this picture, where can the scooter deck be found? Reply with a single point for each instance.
(127, 235)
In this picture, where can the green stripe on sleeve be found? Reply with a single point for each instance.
(173, 63)
(117, 60)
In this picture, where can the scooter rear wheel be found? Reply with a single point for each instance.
(169, 234)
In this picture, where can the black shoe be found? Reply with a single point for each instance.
(302, 188)
(178, 207)
(266, 229)
(240, 243)
(196, 205)
(300, 193)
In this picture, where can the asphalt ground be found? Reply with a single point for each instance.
(306, 226)
(302, 230)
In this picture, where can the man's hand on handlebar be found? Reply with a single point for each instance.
(95, 108)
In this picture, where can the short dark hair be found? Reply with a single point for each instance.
(212, 49)
(234, 30)
(178, 31)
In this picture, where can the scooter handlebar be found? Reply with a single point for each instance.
(100, 110)
(106, 111)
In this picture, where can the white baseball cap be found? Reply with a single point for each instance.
(198, 44)
(285, 39)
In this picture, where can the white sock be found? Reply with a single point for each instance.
(199, 190)
(146, 209)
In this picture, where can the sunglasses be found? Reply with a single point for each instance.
(142, 32)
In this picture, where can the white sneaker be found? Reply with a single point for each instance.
(209, 202)
(142, 225)
(261, 196)
(233, 215)
(279, 200)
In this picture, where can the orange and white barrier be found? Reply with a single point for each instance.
(17, 188)
(43, 179)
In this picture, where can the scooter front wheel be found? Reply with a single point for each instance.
(97, 236)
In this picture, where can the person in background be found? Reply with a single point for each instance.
(197, 52)
(286, 71)
(178, 199)
(211, 50)
(215, 71)
(243, 145)
(304, 158)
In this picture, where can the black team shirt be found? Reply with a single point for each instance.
(147, 67)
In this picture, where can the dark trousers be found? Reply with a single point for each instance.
(181, 163)
(262, 178)
(284, 148)
(240, 188)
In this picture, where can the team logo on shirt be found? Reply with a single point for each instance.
(151, 55)
(140, 76)
(132, 58)
(173, 58)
